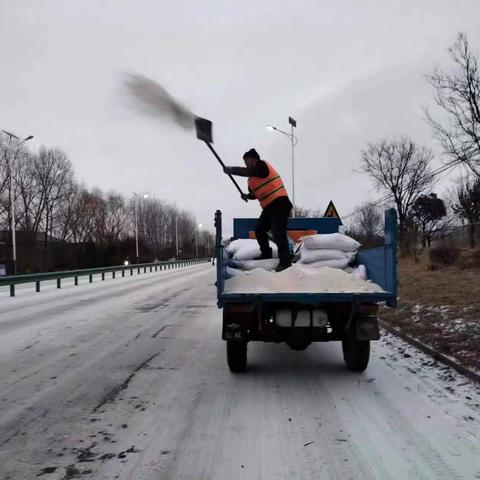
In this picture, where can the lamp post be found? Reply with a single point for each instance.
(196, 240)
(209, 245)
(176, 236)
(294, 140)
(137, 198)
(12, 197)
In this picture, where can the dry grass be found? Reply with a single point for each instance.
(441, 306)
(442, 286)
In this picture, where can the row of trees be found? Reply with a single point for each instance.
(54, 213)
(402, 171)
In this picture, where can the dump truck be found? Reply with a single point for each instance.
(298, 319)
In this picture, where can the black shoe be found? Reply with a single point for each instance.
(283, 266)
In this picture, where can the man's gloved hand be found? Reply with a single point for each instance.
(245, 197)
(227, 170)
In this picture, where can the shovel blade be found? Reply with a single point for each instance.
(203, 128)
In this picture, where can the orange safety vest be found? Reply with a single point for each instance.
(266, 190)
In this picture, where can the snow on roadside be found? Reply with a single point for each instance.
(450, 386)
(451, 330)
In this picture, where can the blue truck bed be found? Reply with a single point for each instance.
(380, 262)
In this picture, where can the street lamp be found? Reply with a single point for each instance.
(176, 236)
(12, 197)
(294, 140)
(137, 198)
(196, 240)
(209, 245)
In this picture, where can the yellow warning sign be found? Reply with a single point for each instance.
(331, 211)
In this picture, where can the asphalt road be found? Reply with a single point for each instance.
(127, 379)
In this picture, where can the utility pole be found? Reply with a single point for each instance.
(196, 240)
(293, 139)
(137, 198)
(176, 236)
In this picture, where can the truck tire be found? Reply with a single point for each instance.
(237, 355)
(356, 353)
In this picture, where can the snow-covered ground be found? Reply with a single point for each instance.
(127, 379)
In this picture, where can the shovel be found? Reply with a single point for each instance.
(153, 99)
(203, 128)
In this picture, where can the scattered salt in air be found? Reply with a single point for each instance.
(297, 279)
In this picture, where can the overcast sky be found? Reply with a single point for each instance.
(350, 72)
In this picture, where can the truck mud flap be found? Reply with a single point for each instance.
(237, 320)
(234, 330)
(366, 327)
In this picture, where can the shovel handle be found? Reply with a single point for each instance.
(223, 165)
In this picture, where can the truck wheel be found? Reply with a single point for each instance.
(237, 356)
(356, 353)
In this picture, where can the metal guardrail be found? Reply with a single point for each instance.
(36, 278)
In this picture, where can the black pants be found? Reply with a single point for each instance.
(274, 217)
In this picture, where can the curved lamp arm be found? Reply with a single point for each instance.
(291, 137)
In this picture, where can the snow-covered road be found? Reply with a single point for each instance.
(127, 379)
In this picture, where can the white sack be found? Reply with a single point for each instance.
(334, 241)
(247, 249)
(232, 272)
(341, 264)
(360, 272)
(268, 264)
(236, 245)
(310, 256)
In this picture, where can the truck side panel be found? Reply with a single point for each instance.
(243, 226)
(381, 262)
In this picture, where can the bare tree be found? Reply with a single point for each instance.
(154, 225)
(4, 179)
(87, 226)
(301, 212)
(54, 173)
(158, 224)
(367, 225)
(26, 192)
(401, 169)
(458, 95)
(116, 218)
(11, 154)
(108, 214)
(206, 242)
(72, 214)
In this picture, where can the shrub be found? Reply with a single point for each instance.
(476, 258)
(470, 259)
(444, 255)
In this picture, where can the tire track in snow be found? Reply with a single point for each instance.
(113, 393)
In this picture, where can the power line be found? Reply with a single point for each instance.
(437, 172)
(369, 204)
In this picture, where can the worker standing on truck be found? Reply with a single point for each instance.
(266, 186)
